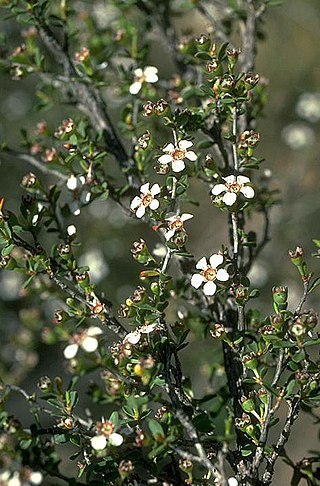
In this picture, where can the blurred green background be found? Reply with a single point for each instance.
(288, 59)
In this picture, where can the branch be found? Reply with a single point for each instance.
(91, 101)
(38, 164)
(219, 34)
(284, 436)
(304, 296)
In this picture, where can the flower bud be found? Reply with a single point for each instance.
(296, 256)
(250, 361)
(247, 404)
(148, 108)
(125, 469)
(45, 383)
(280, 295)
(203, 42)
(161, 107)
(213, 66)
(243, 421)
(251, 80)
(83, 280)
(64, 251)
(297, 328)
(29, 180)
(218, 331)
(302, 377)
(277, 321)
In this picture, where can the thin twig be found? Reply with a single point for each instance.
(35, 162)
(303, 297)
(284, 436)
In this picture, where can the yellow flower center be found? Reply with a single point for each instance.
(210, 274)
(234, 187)
(178, 154)
(176, 225)
(147, 199)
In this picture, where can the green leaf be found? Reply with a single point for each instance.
(155, 428)
(7, 250)
(203, 55)
(60, 438)
(222, 51)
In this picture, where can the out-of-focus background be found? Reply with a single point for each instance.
(289, 58)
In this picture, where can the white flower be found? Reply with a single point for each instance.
(298, 135)
(233, 186)
(80, 195)
(209, 274)
(146, 200)
(308, 106)
(99, 442)
(232, 482)
(135, 336)
(147, 75)
(13, 479)
(176, 155)
(115, 439)
(71, 230)
(176, 224)
(86, 340)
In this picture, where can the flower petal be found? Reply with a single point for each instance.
(145, 188)
(140, 212)
(230, 179)
(216, 260)
(191, 156)
(138, 72)
(89, 344)
(155, 189)
(94, 331)
(168, 148)
(148, 328)
(178, 165)
(115, 439)
(222, 275)
(98, 442)
(71, 351)
(135, 203)
(133, 337)
(218, 189)
(165, 159)
(229, 198)
(186, 216)
(36, 477)
(72, 183)
(151, 77)
(150, 70)
(135, 87)
(202, 264)
(209, 288)
(247, 191)
(184, 144)
(169, 234)
(197, 280)
(243, 179)
(154, 204)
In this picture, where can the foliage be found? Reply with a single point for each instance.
(198, 127)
